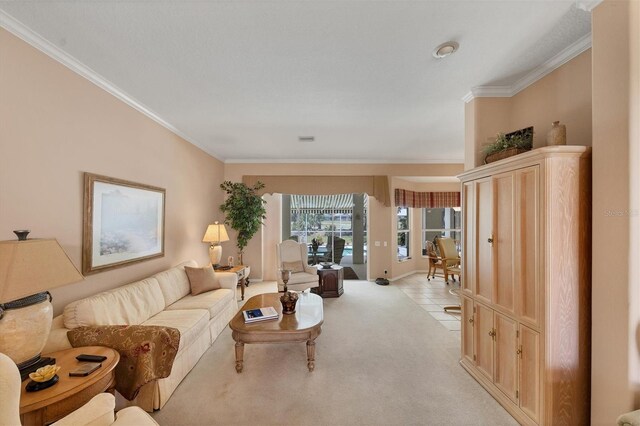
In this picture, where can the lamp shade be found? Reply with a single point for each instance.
(33, 266)
(216, 233)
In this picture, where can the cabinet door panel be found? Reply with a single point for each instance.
(528, 230)
(503, 237)
(467, 329)
(468, 240)
(482, 340)
(484, 231)
(530, 372)
(506, 357)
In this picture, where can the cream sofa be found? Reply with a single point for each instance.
(163, 299)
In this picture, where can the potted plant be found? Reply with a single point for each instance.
(508, 145)
(244, 211)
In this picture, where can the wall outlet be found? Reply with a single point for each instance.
(385, 243)
(377, 243)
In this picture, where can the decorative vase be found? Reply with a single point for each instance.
(289, 300)
(557, 135)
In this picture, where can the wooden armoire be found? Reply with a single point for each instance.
(526, 283)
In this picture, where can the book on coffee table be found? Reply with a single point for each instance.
(260, 314)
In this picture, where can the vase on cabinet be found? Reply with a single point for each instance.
(557, 135)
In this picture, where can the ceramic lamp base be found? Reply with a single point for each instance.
(24, 328)
(215, 254)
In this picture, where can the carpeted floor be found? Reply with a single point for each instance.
(381, 360)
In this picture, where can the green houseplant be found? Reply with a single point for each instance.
(244, 211)
(510, 144)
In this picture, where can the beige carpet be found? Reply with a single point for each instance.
(380, 360)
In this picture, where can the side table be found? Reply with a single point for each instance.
(70, 393)
(243, 272)
(330, 282)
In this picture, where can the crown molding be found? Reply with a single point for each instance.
(335, 161)
(34, 39)
(570, 52)
(587, 5)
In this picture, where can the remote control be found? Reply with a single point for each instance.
(91, 358)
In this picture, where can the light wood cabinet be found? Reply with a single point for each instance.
(526, 291)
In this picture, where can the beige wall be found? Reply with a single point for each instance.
(563, 95)
(55, 126)
(615, 328)
(490, 116)
(381, 218)
(271, 235)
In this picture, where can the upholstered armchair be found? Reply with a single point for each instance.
(99, 411)
(293, 256)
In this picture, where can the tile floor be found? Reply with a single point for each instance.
(432, 296)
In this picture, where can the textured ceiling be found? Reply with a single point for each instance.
(244, 79)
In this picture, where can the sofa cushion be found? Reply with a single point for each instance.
(202, 279)
(131, 304)
(190, 322)
(174, 282)
(213, 301)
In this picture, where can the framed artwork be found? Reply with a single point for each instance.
(123, 223)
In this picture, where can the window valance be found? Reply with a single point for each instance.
(374, 186)
(429, 200)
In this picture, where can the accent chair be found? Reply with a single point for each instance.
(293, 256)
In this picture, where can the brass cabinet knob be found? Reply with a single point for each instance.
(471, 320)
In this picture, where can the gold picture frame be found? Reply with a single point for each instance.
(123, 223)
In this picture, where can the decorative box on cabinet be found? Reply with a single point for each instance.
(330, 282)
(526, 293)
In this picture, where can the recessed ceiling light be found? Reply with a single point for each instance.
(445, 49)
(306, 138)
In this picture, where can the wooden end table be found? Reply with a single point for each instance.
(70, 393)
(302, 326)
(330, 282)
(242, 271)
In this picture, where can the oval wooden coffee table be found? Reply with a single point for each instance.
(70, 393)
(302, 326)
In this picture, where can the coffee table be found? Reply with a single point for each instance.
(302, 326)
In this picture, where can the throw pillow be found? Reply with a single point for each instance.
(293, 266)
(201, 279)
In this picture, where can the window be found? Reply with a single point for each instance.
(442, 222)
(403, 233)
(323, 217)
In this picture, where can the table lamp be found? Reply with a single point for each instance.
(215, 234)
(28, 268)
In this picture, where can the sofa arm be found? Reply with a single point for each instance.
(97, 412)
(58, 339)
(133, 416)
(227, 280)
(629, 419)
